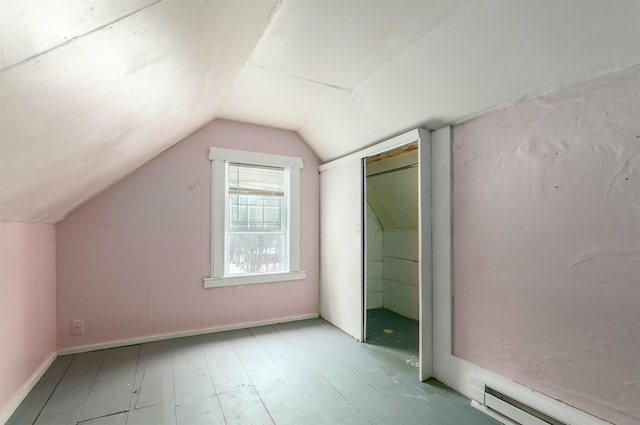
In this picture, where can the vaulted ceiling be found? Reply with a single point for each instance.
(92, 89)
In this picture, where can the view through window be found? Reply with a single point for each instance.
(255, 218)
(256, 236)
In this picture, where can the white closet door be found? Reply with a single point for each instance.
(341, 246)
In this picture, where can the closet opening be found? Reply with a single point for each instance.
(391, 292)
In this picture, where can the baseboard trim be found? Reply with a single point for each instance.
(162, 337)
(498, 417)
(13, 405)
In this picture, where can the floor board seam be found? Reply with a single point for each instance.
(307, 373)
(54, 390)
(101, 417)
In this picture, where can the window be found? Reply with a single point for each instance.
(255, 218)
(256, 225)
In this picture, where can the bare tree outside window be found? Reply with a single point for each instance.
(255, 218)
(257, 226)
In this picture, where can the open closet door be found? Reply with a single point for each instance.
(341, 230)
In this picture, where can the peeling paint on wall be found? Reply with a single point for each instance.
(547, 245)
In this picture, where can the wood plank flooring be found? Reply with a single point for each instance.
(301, 373)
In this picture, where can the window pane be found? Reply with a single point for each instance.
(255, 180)
(257, 198)
(252, 252)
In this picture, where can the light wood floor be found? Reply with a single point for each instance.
(301, 373)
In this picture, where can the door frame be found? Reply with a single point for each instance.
(423, 137)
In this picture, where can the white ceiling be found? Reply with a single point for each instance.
(92, 89)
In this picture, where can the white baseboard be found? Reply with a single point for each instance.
(162, 337)
(498, 417)
(13, 405)
(457, 373)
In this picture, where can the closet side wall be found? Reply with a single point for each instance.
(374, 263)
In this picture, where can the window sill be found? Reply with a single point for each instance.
(253, 279)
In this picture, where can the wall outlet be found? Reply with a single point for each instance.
(77, 327)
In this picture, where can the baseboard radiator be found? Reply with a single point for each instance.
(506, 409)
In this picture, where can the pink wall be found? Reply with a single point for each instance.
(131, 261)
(27, 307)
(547, 245)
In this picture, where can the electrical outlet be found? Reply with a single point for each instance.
(77, 327)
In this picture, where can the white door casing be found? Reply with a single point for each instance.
(342, 250)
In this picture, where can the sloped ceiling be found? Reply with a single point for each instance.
(392, 188)
(92, 89)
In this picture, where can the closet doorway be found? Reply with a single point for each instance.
(391, 290)
(344, 213)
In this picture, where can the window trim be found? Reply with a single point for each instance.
(219, 157)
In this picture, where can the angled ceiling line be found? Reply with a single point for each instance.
(79, 36)
(319, 116)
(541, 92)
(309, 80)
(407, 47)
(275, 11)
(366, 111)
(330, 105)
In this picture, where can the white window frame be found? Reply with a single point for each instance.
(219, 158)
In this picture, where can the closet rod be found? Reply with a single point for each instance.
(393, 170)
